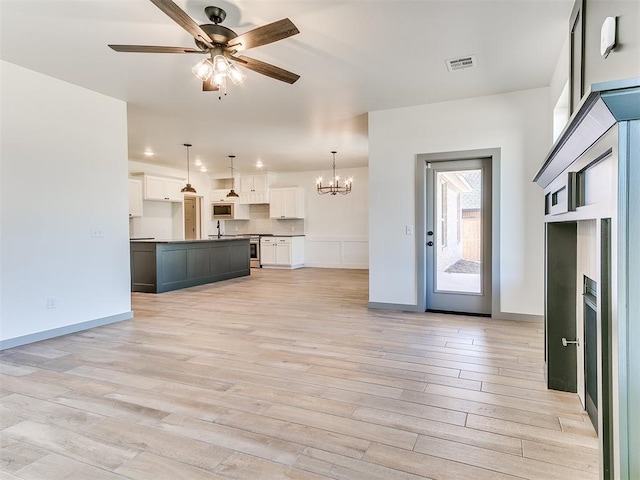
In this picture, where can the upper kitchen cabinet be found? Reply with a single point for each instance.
(219, 195)
(162, 188)
(287, 202)
(135, 197)
(255, 188)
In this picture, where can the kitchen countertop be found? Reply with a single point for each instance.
(224, 238)
(268, 235)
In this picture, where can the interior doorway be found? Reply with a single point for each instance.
(192, 218)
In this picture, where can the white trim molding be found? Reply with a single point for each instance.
(337, 252)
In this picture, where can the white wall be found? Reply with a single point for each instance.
(336, 226)
(518, 123)
(64, 174)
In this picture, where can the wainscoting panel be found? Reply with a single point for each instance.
(337, 252)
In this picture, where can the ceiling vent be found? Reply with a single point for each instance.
(461, 63)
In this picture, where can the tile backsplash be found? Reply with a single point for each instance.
(260, 222)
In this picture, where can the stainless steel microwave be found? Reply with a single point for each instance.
(223, 210)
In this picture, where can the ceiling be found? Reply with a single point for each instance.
(353, 56)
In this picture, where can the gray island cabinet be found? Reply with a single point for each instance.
(161, 266)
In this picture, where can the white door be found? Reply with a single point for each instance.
(190, 218)
(458, 234)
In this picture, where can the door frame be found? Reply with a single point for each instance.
(493, 156)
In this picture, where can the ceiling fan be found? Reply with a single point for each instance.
(221, 45)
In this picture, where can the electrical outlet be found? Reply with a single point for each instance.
(51, 302)
(408, 230)
(97, 232)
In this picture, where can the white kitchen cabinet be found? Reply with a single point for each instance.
(255, 188)
(282, 252)
(162, 188)
(220, 195)
(135, 198)
(287, 202)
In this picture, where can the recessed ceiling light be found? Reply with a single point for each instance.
(148, 153)
(203, 169)
(198, 162)
(259, 164)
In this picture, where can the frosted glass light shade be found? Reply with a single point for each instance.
(203, 69)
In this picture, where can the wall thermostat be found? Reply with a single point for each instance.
(607, 36)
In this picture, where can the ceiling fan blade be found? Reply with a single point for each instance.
(209, 86)
(262, 35)
(185, 21)
(267, 69)
(153, 49)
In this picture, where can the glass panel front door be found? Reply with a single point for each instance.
(458, 246)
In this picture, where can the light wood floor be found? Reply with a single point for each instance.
(287, 374)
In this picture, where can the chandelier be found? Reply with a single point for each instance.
(334, 186)
(188, 188)
(214, 72)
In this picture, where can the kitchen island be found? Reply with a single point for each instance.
(163, 265)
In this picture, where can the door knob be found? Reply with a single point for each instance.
(430, 233)
(429, 243)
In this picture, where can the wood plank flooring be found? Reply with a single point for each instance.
(288, 375)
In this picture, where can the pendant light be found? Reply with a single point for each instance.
(334, 185)
(232, 193)
(188, 188)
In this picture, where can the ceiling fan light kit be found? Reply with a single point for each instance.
(334, 186)
(221, 45)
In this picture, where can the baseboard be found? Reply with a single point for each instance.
(58, 332)
(393, 306)
(518, 317)
(346, 266)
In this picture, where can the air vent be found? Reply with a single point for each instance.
(461, 63)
